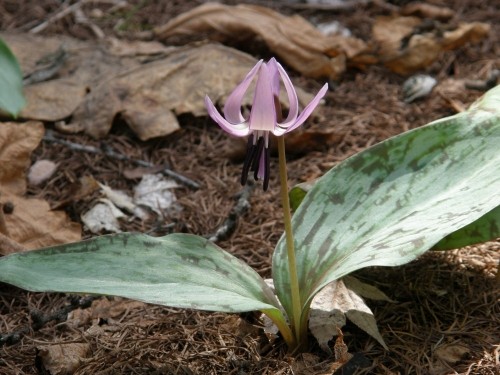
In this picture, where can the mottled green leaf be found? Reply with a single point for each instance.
(178, 270)
(392, 202)
(484, 229)
(11, 82)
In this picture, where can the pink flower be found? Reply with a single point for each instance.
(265, 115)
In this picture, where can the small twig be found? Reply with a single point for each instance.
(39, 319)
(66, 9)
(81, 18)
(242, 206)
(56, 17)
(54, 63)
(49, 137)
(484, 85)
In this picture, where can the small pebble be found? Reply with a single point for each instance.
(41, 171)
(418, 86)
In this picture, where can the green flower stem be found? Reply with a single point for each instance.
(280, 322)
(292, 266)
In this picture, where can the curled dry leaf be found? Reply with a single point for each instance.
(408, 44)
(155, 192)
(63, 359)
(293, 39)
(418, 86)
(103, 217)
(424, 10)
(329, 310)
(119, 198)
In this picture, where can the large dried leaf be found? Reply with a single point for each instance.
(178, 270)
(409, 44)
(97, 81)
(17, 141)
(394, 201)
(293, 39)
(148, 97)
(33, 224)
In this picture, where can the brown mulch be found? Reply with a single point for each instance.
(446, 314)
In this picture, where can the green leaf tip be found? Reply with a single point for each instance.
(12, 99)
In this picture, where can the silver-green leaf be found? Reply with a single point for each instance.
(486, 228)
(178, 270)
(392, 202)
(11, 82)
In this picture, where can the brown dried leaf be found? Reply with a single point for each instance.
(148, 97)
(105, 309)
(78, 190)
(310, 364)
(409, 44)
(98, 81)
(425, 10)
(63, 359)
(17, 141)
(33, 225)
(9, 246)
(451, 353)
(465, 33)
(296, 41)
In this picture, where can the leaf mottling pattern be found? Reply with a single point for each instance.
(177, 270)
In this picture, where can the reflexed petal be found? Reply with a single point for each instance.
(293, 101)
(263, 113)
(275, 80)
(238, 130)
(308, 109)
(232, 109)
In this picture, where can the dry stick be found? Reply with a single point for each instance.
(39, 319)
(56, 17)
(229, 225)
(81, 18)
(67, 9)
(56, 62)
(49, 137)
